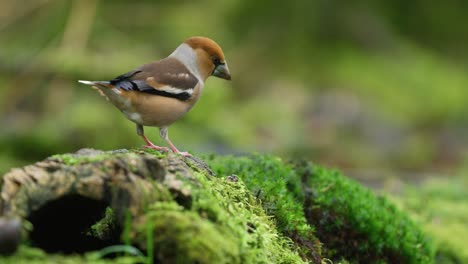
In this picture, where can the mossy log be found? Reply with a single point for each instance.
(62, 199)
(92, 199)
(252, 209)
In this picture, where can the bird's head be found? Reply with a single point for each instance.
(207, 56)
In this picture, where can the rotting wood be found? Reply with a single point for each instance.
(84, 185)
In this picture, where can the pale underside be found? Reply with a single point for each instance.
(148, 109)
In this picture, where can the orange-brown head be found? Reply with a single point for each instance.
(209, 57)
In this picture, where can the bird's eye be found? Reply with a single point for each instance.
(216, 61)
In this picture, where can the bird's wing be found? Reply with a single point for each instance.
(167, 77)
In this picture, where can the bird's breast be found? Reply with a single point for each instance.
(154, 110)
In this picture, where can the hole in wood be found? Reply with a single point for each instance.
(74, 224)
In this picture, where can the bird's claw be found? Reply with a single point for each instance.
(164, 149)
(158, 148)
(184, 154)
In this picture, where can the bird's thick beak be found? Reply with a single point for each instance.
(222, 71)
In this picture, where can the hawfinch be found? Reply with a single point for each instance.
(159, 93)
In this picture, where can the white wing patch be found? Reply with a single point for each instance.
(171, 89)
(174, 90)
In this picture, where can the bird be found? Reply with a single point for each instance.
(159, 93)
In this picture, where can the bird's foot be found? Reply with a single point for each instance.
(184, 154)
(158, 148)
(174, 148)
(150, 144)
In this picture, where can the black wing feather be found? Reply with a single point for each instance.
(124, 82)
(171, 76)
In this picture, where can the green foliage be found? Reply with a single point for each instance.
(118, 249)
(377, 58)
(29, 255)
(354, 223)
(387, 76)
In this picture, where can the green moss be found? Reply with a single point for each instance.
(103, 228)
(278, 187)
(76, 159)
(185, 237)
(156, 153)
(231, 206)
(354, 223)
(271, 212)
(349, 219)
(440, 204)
(224, 224)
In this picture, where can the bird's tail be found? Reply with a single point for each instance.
(95, 83)
(103, 87)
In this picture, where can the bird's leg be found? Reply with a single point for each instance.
(164, 134)
(149, 144)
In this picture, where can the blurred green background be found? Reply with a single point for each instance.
(374, 88)
(378, 89)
